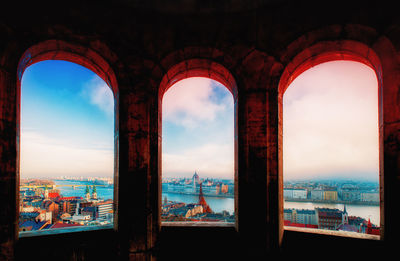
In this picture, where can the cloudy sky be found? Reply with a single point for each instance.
(330, 123)
(198, 129)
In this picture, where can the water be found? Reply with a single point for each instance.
(217, 204)
(67, 191)
(364, 211)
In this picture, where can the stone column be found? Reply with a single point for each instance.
(9, 162)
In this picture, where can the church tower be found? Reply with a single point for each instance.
(94, 192)
(87, 193)
(345, 216)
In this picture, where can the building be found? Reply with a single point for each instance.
(369, 196)
(317, 194)
(105, 209)
(295, 193)
(195, 181)
(306, 216)
(329, 218)
(350, 195)
(330, 195)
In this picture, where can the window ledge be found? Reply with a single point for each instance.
(26, 234)
(332, 233)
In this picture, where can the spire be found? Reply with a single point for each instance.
(94, 189)
(369, 227)
(87, 189)
(345, 217)
(202, 201)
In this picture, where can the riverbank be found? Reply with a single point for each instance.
(197, 194)
(360, 203)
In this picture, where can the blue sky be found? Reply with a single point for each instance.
(67, 121)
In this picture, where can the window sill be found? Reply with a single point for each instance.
(27, 234)
(333, 233)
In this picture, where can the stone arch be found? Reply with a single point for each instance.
(61, 50)
(199, 68)
(86, 57)
(318, 53)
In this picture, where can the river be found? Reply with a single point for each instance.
(218, 204)
(68, 191)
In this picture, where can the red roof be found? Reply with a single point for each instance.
(54, 195)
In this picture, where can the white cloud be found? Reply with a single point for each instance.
(331, 121)
(188, 102)
(100, 95)
(44, 156)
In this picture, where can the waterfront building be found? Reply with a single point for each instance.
(224, 188)
(195, 181)
(350, 195)
(306, 216)
(288, 214)
(295, 193)
(217, 189)
(330, 195)
(300, 216)
(317, 194)
(299, 193)
(104, 209)
(368, 196)
(328, 218)
(287, 193)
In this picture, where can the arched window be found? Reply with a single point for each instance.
(331, 149)
(199, 149)
(198, 152)
(67, 147)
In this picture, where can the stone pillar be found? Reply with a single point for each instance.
(389, 127)
(9, 144)
(136, 210)
(258, 148)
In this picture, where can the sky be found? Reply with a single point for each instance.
(67, 122)
(330, 123)
(198, 130)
